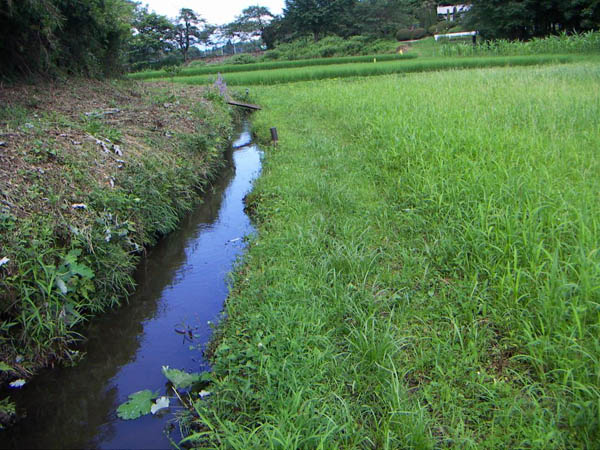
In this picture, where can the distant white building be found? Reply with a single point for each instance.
(450, 11)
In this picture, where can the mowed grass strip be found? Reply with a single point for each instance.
(426, 272)
(268, 77)
(269, 65)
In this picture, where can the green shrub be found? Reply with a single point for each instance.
(306, 48)
(197, 63)
(243, 58)
(171, 60)
(272, 55)
(440, 27)
(456, 29)
(405, 34)
(419, 33)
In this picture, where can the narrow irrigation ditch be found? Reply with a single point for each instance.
(182, 286)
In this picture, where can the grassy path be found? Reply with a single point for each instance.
(426, 273)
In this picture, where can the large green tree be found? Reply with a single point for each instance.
(94, 35)
(317, 17)
(251, 23)
(153, 37)
(190, 30)
(382, 18)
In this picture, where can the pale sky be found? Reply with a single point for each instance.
(216, 12)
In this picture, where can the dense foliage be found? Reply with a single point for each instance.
(92, 37)
(84, 37)
(522, 19)
(414, 19)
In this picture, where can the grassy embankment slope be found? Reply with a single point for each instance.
(90, 173)
(426, 272)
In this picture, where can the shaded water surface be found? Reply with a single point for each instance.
(182, 284)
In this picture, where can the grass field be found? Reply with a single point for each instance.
(230, 68)
(426, 272)
(274, 75)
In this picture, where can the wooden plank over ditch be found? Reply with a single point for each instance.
(243, 105)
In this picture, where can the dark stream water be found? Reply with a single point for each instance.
(182, 283)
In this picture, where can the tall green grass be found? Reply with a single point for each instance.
(426, 272)
(229, 68)
(267, 77)
(561, 44)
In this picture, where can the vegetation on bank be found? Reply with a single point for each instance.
(372, 68)
(428, 277)
(90, 174)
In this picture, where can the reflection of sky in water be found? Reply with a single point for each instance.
(182, 284)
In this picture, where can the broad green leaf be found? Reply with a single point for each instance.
(71, 257)
(81, 269)
(182, 379)
(5, 367)
(139, 404)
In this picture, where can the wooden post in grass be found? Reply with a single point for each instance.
(274, 136)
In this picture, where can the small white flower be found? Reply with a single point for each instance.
(203, 394)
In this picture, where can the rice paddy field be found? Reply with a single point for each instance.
(231, 68)
(280, 72)
(426, 272)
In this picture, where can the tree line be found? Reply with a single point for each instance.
(509, 19)
(106, 37)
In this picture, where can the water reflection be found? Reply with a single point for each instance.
(181, 284)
